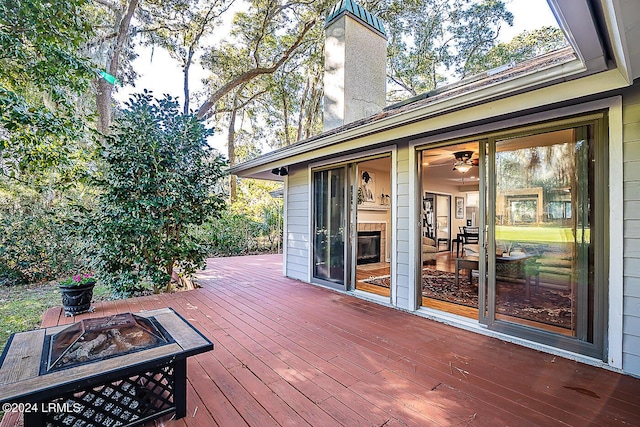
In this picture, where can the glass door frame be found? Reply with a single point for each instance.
(599, 209)
(346, 229)
(351, 168)
(487, 235)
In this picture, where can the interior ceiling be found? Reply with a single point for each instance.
(437, 163)
(381, 164)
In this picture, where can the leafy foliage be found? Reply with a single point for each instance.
(267, 72)
(526, 45)
(41, 73)
(429, 41)
(180, 26)
(253, 224)
(36, 244)
(160, 178)
(427, 37)
(229, 234)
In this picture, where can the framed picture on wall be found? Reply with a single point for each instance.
(368, 186)
(459, 207)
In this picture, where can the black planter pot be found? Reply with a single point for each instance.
(77, 299)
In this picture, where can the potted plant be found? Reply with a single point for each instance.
(77, 292)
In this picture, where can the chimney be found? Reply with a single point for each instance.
(355, 54)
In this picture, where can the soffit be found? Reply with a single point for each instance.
(577, 20)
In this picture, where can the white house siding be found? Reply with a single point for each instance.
(631, 310)
(297, 263)
(404, 260)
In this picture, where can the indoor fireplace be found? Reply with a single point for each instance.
(368, 247)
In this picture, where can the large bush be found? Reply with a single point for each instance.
(160, 179)
(229, 234)
(237, 234)
(251, 225)
(37, 244)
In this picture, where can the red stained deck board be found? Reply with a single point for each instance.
(283, 402)
(370, 343)
(134, 305)
(243, 401)
(216, 403)
(197, 413)
(246, 350)
(12, 419)
(52, 316)
(336, 344)
(344, 415)
(330, 357)
(275, 345)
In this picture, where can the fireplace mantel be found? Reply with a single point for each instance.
(373, 208)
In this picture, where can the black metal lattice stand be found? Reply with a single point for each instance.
(128, 399)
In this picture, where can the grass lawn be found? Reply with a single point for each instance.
(532, 233)
(21, 307)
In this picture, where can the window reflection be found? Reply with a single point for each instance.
(544, 185)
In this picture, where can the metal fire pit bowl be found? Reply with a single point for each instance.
(121, 370)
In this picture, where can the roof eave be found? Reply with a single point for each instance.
(485, 94)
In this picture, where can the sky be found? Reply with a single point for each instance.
(161, 74)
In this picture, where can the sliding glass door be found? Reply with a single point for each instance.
(330, 226)
(545, 209)
(351, 225)
(538, 267)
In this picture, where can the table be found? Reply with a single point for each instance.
(466, 263)
(444, 240)
(127, 389)
(511, 266)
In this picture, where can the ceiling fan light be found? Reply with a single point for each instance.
(462, 167)
(463, 156)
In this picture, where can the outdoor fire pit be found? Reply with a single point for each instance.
(120, 370)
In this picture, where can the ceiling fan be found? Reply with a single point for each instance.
(464, 162)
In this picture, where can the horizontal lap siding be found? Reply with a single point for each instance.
(298, 223)
(402, 234)
(631, 328)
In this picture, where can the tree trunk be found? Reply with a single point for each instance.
(313, 109)
(186, 88)
(305, 94)
(103, 105)
(285, 108)
(245, 77)
(232, 151)
(187, 67)
(104, 88)
(170, 272)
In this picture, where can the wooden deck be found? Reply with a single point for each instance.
(292, 354)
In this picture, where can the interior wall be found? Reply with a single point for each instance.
(433, 186)
(376, 212)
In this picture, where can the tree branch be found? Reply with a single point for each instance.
(251, 74)
(108, 4)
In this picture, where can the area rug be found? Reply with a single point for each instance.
(547, 306)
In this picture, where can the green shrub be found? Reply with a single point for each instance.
(160, 179)
(230, 234)
(36, 246)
